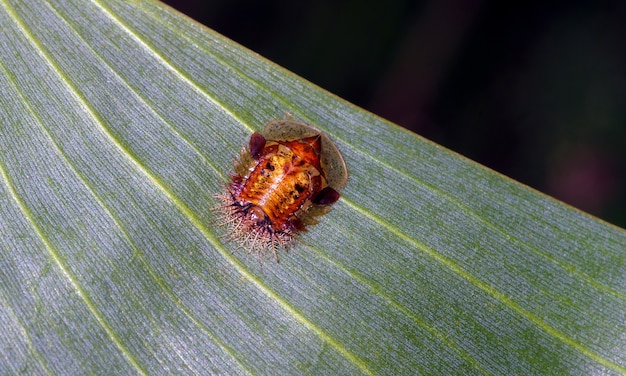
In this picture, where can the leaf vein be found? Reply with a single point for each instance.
(63, 268)
(491, 291)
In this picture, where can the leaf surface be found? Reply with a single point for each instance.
(120, 121)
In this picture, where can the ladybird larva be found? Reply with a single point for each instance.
(289, 175)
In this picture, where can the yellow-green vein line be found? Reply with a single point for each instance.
(358, 277)
(490, 290)
(36, 354)
(157, 55)
(57, 259)
(136, 95)
(154, 276)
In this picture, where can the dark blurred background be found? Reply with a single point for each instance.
(533, 89)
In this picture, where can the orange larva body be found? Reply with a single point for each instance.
(287, 175)
(280, 186)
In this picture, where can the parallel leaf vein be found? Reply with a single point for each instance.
(24, 331)
(54, 254)
(490, 290)
(51, 250)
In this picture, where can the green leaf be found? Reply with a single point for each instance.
(120, 121)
